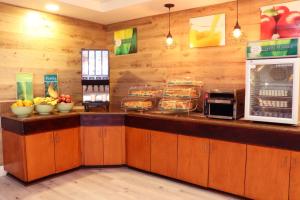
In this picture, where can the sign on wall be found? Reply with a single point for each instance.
(125, 41)
(24, 86)
(280, 21)
(51, 85)
(207, 31)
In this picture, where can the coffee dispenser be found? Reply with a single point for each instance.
(95, 78)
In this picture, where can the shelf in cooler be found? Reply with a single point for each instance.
(270, 107)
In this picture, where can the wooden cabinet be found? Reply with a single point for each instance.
(14, 157)
(138, 148)
(227, 166)
(113, 145)
(92, 145)
(34, 156)
(67, 149)
(267, 173)
(40, 159)
(164, 153)
(103, 145)
(294, 192)
(193, 156)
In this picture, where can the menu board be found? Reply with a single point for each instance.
(95, 64)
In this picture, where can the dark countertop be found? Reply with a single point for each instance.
(241, 131)
(241, 123)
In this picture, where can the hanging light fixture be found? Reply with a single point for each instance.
(169, 40)
(237, 28)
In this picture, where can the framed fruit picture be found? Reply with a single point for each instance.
(280, 21)
(207, 31)
(125, 41)
(24, 86)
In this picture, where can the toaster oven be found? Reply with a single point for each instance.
(224, 104)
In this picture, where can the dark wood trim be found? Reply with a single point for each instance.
(40, 125)
(102, 119)
(245, 133)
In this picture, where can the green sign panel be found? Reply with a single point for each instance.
(273, 48)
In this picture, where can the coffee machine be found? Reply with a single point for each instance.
(95, 78)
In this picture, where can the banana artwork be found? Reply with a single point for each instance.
(52, 93)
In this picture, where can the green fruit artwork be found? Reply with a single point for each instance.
(125, 41)
(24, 86)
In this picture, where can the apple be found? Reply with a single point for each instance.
(289, 25)
(281, 10)
(64, 98)
(267, 27)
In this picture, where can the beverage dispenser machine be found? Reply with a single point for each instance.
(95, 78)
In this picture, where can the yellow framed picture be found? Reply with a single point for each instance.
(207, 31)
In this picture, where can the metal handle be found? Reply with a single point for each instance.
(221, 101)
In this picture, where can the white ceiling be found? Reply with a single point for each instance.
(112, 11)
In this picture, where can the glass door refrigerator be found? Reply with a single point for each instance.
(272, 81)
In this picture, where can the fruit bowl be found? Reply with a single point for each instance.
(64, 107)
(44, 109)
(22, 111)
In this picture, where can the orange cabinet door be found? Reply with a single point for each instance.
(193, 156)
(40, 159)
(227, 165)
(14, 158)
(113, 145)
(138, 148)
(67, 149)
(267, 173)
(92, 145)
(164, 153)
(294, 192)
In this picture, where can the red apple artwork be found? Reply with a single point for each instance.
(280, 21)
(289, 25)
(267, 27)
(281, 10)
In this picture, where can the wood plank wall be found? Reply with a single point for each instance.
(218, 67)
(52, 49)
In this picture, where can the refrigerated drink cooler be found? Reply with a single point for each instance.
(95, 79)
(272, 81)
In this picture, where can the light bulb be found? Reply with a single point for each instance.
(237, 33)
(52, 7)
(169, 40)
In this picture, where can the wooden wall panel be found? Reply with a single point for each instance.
(218, 67)
(54, 48)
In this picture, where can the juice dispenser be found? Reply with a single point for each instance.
(95, 78)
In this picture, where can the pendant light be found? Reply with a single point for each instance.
(237, 28)
(169, 39)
